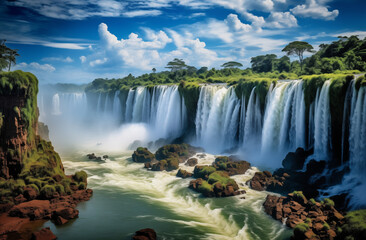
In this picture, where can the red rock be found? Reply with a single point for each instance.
(338, 216)
(309, 234)
(312, 214)
(286, 211)
(321, 219)
(35, 209)
(30, 193)
(19, 199)
(66, 213)
(318, 227)
(43, 234)
(332, 234)
(295, 206)
(60, 220)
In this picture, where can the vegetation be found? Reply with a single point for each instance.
(298, 48)
(7, 56)
(232, 64)
(355, 225)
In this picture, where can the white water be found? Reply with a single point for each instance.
(217, 118)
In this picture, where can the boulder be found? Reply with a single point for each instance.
(183, 174)
(43, 234)
(35, 209)
(142, 155)
(145, 234)
(191, 162)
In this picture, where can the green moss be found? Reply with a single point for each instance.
(221, 177)
(328, 202)
(355, 225)
(190, 93)
(326, 226)
(48, 191)
(312, 201)
(206, 188)
(80, 176)
(301, 228)
(60, 189)
(203, 171)
(360, 82)
(82, 186)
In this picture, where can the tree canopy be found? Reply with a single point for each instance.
(298, 48)
(232, 64)
(7, 56)
(176, 64)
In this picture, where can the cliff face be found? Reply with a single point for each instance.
(18, 124)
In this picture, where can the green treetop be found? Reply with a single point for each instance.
(298, 48)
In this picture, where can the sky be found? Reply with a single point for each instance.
(76, 41)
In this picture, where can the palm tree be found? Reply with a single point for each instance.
(13, 53)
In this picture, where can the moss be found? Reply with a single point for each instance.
(203, 171)
(328, 202)
(34, 186)
(205, 188)
(301, 228)
(82, 186)
(60, 189)
(190, 92)
(360, 82)
(326, 226)
(312, 201)
(80, 176)
(221, 177)
(48, 191)
(355, 225)
(172, 151)
(298, 195)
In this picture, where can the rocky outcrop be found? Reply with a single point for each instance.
(145, 234)
(33, 184)
(183, 174)
(310, 219)
(43, 131)
(232, 165)
(43, 234)
(166, 158)
(142, 155)
(191, 162)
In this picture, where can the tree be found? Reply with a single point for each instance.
(176, 64)
(154, 70)
(298, 48)
(263, 63)
(12, 57)
(231, 64)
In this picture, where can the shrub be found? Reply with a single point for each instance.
(47, 191)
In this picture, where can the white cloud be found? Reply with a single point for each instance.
(234, 23)
(35, 66)
(58, 59)
(98, 62)
(281, 20)
(142, 13)
(82, 59)
(315, 9)
(360, 34)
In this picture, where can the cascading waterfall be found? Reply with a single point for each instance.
(322, 131)
(217, 118)
(252, 121)
(284, 120)
(117, 108)
(56, 104)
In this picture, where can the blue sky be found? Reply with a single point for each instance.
(76, 41)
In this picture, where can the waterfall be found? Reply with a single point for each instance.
(357, 136)
(117, 108)
(322, 131)
(217, 118)
(129, 105)
(253, 121)
(169, 117)
(56, 104)
(284, 120)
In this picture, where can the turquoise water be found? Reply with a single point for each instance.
(127, 198)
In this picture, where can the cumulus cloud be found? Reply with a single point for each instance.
(315, 9)
(82, 59)
(35, 66)
(281, 20)
(98, 62)
(234, 23)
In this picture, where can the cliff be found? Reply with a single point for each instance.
(33, 184)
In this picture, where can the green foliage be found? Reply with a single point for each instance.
(48, 191)
(312, 201)
(206, 188)
(298, 48)
(360, 82)
(326, 226)
(7, 56)
(221, 177)
(231, 64)
(190, 93)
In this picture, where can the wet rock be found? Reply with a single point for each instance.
(145, 234)
(35, 209)
(183, 174)
(296, 160)
(191, 162)
(142, 155)
(43, 234)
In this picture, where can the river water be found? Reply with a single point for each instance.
(128, 197)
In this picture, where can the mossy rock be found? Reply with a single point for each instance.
(180, 151)
(142, 155)
(203, 171)
(80, 176)
(48, 191)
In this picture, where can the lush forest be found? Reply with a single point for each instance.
(346, 55)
